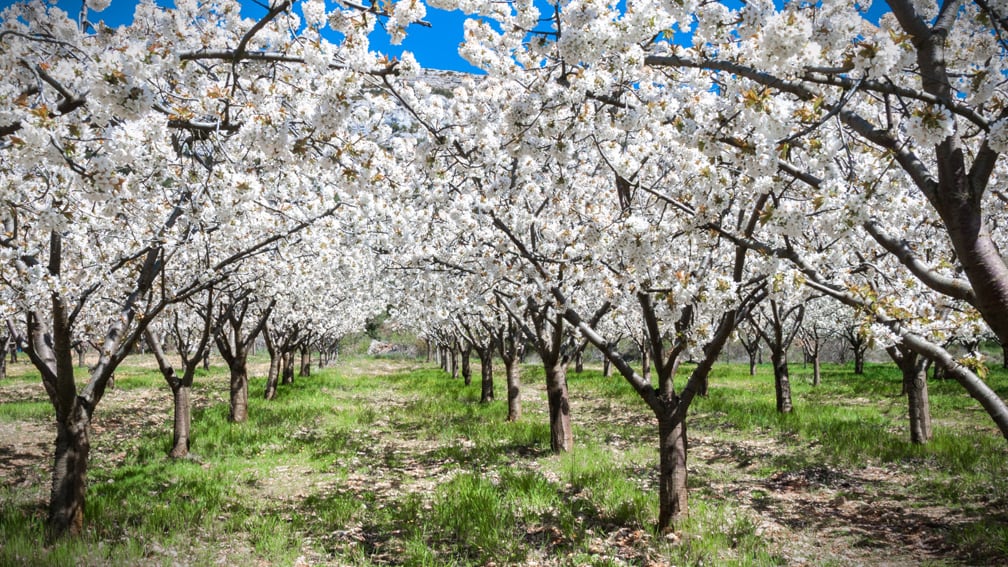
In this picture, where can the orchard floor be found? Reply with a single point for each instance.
(385, 462)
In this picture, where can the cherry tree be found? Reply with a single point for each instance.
(122, 149)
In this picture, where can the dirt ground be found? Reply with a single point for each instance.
(817, 515)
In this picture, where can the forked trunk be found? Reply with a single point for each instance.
(486, 375)
(672, 495)
(752, 364)
(782, 383)
(239, 392)
(69, 474)
(914, 370)
(183, 421)
(514, 389)
(561, 435)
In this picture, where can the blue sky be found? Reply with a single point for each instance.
(434, 47)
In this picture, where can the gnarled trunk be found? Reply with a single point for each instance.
(913, 367)
(69, 474)
(561, 434)
(672, 495)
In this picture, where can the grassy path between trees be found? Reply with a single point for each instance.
(378, 462)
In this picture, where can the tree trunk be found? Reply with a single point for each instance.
(672, 495)
(239, 390)
(646, 362)
(466, 365)
(305, 369)
(3, 365)
(182, 423)
(859, 356)
(919, 403)
(206, 360)
(287, 365)
(816, 371)
(513, 370)
(272, 375)
(486, 374)
(81, 351)
(561, 435)
(914, 370)
(69, 474)
(579, 362)
(453, 362)
(782, 384)
(606, 367)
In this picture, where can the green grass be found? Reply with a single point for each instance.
(409, 468)
(26, 411)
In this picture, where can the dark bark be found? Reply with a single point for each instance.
(561, 434)
(913, 368)
(273, 374)
(5, 342)
(81, 349)
(305, 370)
(180, 386)
(780, 326)
(486, 373)
(751, 344)
(287, 367)
(510, 346)
(466, 364)
(646, 363)
(782, 382)
(234, 343)
(69, 475)
(672, 494)
(579, 362)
